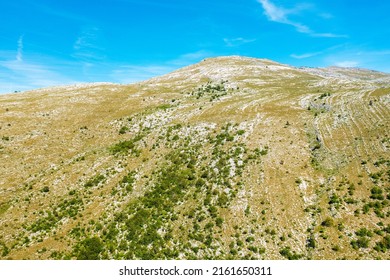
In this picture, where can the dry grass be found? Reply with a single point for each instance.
(61, 137)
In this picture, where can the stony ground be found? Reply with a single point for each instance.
(231, 158)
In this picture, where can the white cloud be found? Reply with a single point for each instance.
(355, 56)
(189, 58)
(18, 73)
(136, 73)
(274, 13)
(25, 72)
(22, 75)
(375, 53)
(35, 71)
(19, 54)
(347, 63)
(280, 15)
(326, 15)
(305, 55)
(86, 47)
(329, 35)
(237, 41)
(329, 50)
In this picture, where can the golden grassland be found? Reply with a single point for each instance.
(231, 158)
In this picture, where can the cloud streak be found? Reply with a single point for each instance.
(135, 73)
(18, 73)
(347, 63)
(235, 42)
(281, 15)
(21, 75)
(19, 54)
(39, 72)
(86, 47)
(305, 55)
(189, 58)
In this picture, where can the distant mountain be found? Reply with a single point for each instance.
(230, 158)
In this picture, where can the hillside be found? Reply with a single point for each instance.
(230, 158)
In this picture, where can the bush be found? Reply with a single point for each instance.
(89, 249)
(311, 242)
(377, 193)
(94, 181)
(361, 242)
(128, 181)
(219, 222)
(364, 232)
(328, 222)
(127, 146)
(384, 245)
(286, 252)
(123, 130)
(334, 199)
(122, 147)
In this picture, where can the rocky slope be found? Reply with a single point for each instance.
(231, 158)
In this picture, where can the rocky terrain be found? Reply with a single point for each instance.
(230, 158)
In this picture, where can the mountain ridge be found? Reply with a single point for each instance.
(221, 61)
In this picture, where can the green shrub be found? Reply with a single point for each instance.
(334, 199)
(364, 232)
(128, 181)
(95, 181)
(298, 181)
(123, 130)
(311, 243)
(383, 245)
(124, 147)
(89, 249)
(361, 242)
(219, 222)
(286, 252)
(328, 222)
(377, 193)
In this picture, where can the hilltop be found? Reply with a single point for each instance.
(230, 158)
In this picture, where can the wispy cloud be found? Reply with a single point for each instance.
(86, 46)
(305, 55)
(329, 50)
(189, 58)
(281, 15)
(21, 75)
(24, 72)
(326, 15)
(19, 54)
(235, 42)
(137, 73)
(348, 55)
(347, 63)
(328, 35)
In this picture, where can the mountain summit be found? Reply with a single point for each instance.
(230, 158)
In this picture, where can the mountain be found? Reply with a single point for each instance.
(230, 158)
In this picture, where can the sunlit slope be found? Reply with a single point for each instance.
(230, 158)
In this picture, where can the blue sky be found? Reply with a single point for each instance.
(45, 43)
